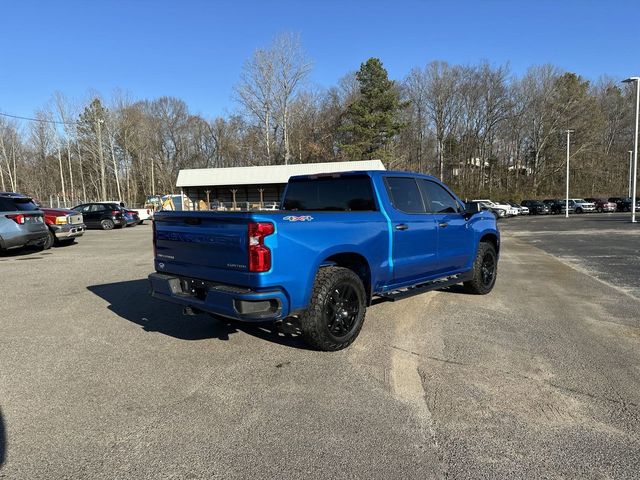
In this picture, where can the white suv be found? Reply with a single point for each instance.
(509, 211)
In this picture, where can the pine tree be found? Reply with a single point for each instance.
(370, 122)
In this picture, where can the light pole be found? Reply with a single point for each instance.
(630, 168)
(635, 80)
(566, 206)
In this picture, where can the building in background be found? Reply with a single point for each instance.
(253, 188)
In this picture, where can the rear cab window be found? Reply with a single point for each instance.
(347, 193)
(20, 204)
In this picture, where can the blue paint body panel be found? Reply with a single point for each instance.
(213, 247)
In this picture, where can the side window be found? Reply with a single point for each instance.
(440, 201)
(404, 194)
(96, 207)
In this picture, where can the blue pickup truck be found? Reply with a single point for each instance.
(337, 241)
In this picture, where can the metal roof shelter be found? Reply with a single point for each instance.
(253, 188)
(266, 175)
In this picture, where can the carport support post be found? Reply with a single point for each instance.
(566, 207)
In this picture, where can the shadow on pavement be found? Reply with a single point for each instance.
(3, 441)
(131, 300)
(27, 252)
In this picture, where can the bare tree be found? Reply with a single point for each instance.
(268, 85)
(291, 68)
(255, 91)
(9, 144)
(442, 102)
(68, 127)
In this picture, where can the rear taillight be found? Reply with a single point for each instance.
(116, 213)
(153, 235)
(259, 254)
(19, 218)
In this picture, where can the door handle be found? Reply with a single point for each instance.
(443, 225)
(402, 226)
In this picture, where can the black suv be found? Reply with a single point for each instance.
(623, 204)
(106, 216)
(536, 207)
(557, 206)
(21, 222)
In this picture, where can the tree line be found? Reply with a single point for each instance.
(483, 130)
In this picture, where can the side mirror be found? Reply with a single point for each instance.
(471, 208)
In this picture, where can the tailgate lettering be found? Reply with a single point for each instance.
(198, 238)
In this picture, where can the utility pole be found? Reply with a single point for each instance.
(566, 207)
(630, 170)
(153, 177)
(635, 80)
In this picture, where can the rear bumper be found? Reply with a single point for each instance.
(65, 232)
(228, 301)
(24, 239)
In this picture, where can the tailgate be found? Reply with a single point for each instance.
(211, 242)
(34, 222)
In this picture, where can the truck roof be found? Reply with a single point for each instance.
(370, 173)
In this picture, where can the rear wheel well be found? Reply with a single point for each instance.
(492, 239)
(356, 263)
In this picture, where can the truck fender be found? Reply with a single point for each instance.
(346, 256)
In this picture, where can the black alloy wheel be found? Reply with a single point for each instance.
(485, 270)
(341, 309)
(488, 269)
(336, 312)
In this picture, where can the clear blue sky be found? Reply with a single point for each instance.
(194, 49)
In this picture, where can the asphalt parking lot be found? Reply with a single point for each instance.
(540, 379)
(604, 245)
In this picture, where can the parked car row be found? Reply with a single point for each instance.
(108, 215)
(24, 223)
(555, 206)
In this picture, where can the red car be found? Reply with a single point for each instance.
(602, 204)
(64, 226)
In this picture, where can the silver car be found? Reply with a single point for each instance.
(21, 222)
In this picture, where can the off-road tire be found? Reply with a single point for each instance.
(50, 241)
(313, 322)
(477, 284)
(107, 224)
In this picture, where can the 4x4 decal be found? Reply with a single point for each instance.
(296, 218)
